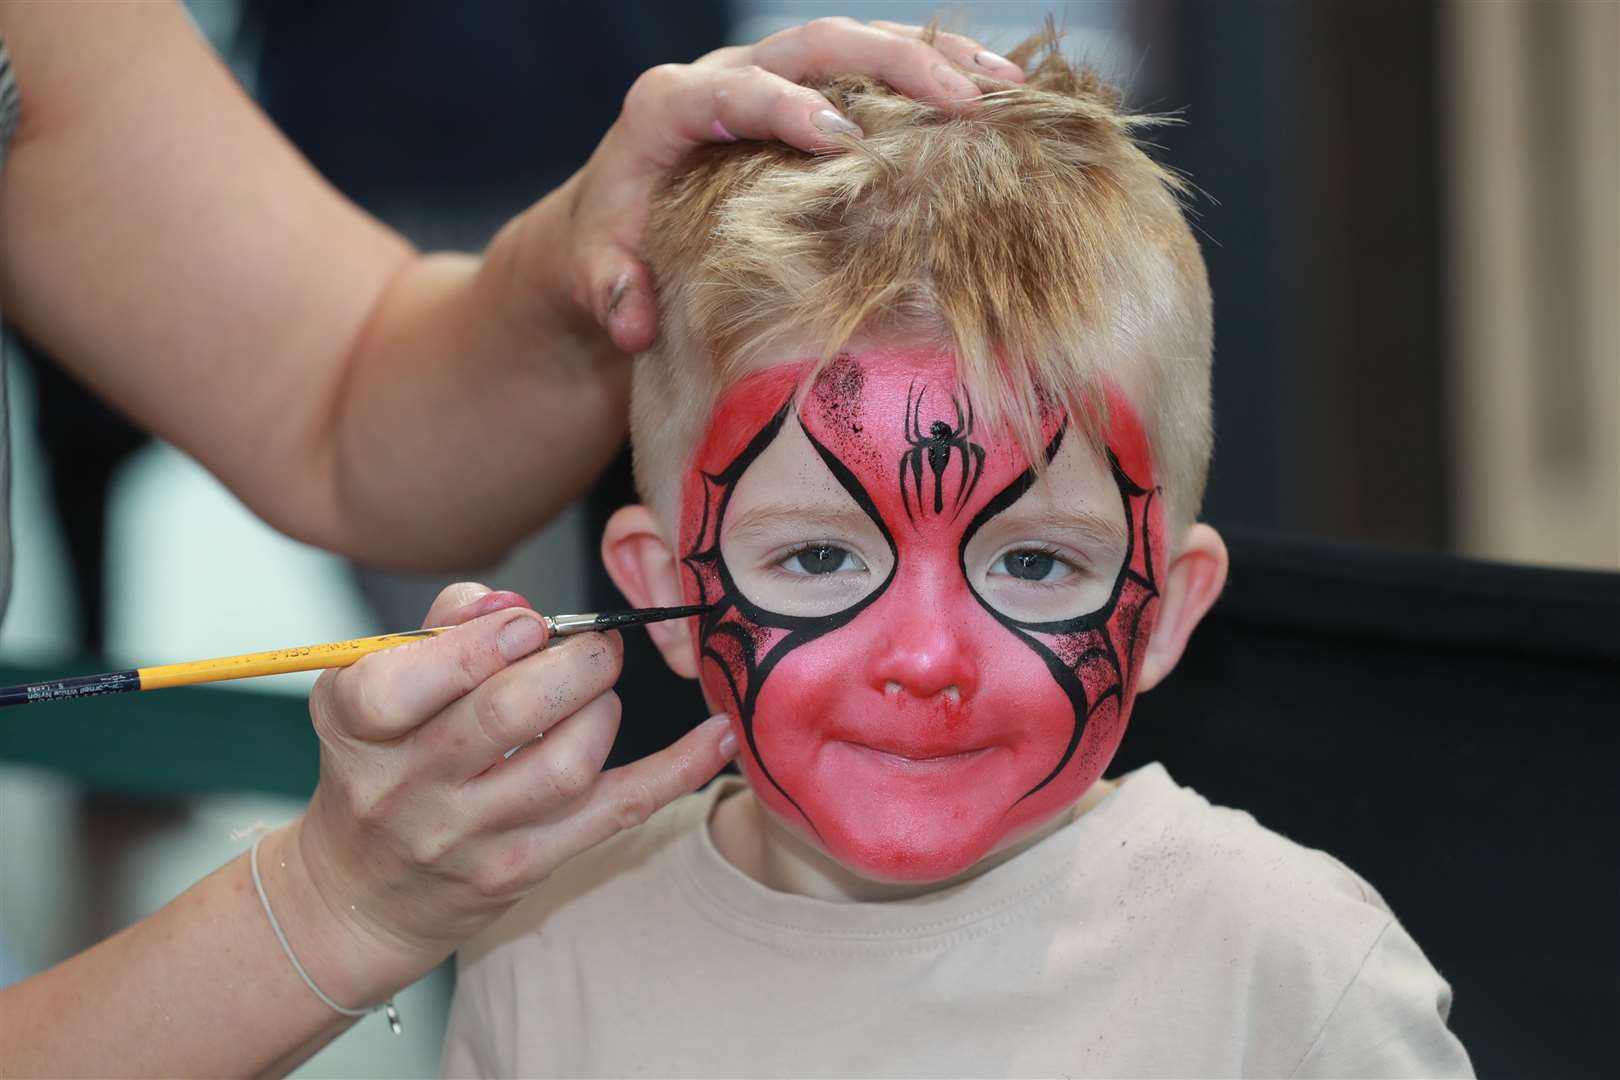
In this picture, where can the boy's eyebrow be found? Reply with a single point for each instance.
(1089, 527)
(771, 517)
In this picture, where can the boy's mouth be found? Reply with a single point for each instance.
(918, 758)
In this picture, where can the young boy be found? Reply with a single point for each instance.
(927, 428)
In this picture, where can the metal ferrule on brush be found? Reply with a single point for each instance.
(559, 625)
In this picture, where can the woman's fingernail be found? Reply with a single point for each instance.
(957, 86)
(834, 124)
(499, 600)
(620, 287)
(987, 59)
(520, 637)
(728, 736)
(721, 133)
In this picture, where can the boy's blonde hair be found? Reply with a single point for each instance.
(1031, 236)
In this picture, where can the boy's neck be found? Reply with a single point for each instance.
(753, 841)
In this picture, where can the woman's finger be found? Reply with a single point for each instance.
(519, 704)
(622, 294)
(961, 50)
(627, 796)
(840, 45)
(467, 600)
(549, 773)
(387, 694)
(674, 107)
(514, 802)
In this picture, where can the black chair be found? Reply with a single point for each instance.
(1447, 729)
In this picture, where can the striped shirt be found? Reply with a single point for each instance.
(10, 113)
(10, 103)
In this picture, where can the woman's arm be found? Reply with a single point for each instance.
(163, 241)
(200, 988)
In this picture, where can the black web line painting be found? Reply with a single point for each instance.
(747, 641)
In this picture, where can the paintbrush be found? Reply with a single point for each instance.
(300, 658)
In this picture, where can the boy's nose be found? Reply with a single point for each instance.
(924, 654)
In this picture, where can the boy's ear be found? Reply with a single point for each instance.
(643, 566)
(1191, 586)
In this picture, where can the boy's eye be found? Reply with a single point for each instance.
(1032, 565)
(822, 559)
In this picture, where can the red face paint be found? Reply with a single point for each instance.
(919, 727)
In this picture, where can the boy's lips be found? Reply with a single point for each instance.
(912, 754)
(940, 732)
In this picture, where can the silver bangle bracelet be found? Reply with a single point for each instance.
(264, 901)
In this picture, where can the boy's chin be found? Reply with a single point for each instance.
(894, 865)
(896, 852)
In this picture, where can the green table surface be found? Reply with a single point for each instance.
(187, 740)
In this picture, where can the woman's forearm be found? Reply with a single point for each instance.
(165, 243)
(474, 407)
(199, 988)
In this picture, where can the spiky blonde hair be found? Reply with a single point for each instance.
(1031, 236)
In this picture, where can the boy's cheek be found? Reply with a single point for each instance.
(819, 714)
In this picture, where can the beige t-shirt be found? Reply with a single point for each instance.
(1156, 935)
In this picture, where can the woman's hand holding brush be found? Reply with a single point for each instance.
(425, 827)
(422, 830)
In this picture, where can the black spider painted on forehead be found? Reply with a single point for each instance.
(937, 446)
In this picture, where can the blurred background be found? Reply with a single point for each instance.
(1409, 213)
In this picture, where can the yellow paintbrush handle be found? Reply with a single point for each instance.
(276, 662)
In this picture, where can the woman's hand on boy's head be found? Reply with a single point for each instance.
(899, 54)
(426, 824)
(739, 92)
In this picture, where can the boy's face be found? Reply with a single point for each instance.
(927, 652)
